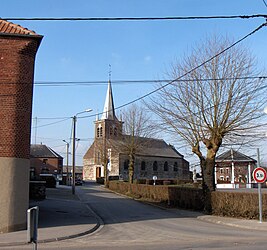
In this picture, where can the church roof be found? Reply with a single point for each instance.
(42, 151)
(109, 111)
(153, 147)
(232, 155)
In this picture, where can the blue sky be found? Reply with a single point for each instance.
(82, 51)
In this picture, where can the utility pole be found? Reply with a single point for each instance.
(73, 153)
(35, 132)
(67, 163)
(74, 118)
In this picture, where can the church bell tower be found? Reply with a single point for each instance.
(108, 127)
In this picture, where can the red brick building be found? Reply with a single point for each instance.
(18, 47)
(45, 160)
(234, 170)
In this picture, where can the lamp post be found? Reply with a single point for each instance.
(74, 118)
(67, 164)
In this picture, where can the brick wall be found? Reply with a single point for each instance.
(49, 164)
(17, 55)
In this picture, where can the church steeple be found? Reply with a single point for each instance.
(109, 127)
(109, 112)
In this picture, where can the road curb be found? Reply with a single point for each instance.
(251, 225)
(98, 225)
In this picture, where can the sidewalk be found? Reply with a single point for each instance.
(233, 222)
(61, 216)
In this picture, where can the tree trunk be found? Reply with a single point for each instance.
(208, 182)
(131, 169)
(106, 173)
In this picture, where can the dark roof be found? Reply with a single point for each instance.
(235, 156)
(78, 169)
(155, 147)
(42, 151)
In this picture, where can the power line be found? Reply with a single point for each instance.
(178, 78)
(125, 82)
(264, 3)
(134, 18)
(52, 123)
(185, 74)
(50, 118)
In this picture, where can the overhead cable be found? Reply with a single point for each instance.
(188, 72)
(134, 18)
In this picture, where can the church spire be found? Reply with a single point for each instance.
(109, 112)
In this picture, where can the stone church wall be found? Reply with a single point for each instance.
(167, 168)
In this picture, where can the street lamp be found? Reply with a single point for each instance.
(68, 145)
(74, 118)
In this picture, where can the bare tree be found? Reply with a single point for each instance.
(216, 102)
(136, 131)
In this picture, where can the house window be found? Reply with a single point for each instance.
(143, 166)
(110, 131)
(222, 178)
(60, 162)
(45, 161)
(227, 170)
(175, 167)
(155, 166)
(221, 170)
(126, 164)
(115, 132)
(166, 167)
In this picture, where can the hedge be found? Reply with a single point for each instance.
(230, 204)
(239, 205)
(188, 198)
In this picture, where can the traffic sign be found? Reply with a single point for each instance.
(259, 175)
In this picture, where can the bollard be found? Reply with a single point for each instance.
(32, 226)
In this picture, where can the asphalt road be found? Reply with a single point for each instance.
(130, 224)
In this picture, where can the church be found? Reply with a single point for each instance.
(156, 159)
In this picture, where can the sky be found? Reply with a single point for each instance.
(136, 50)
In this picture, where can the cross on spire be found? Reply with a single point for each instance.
(109, 72)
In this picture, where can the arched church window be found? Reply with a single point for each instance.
(110, 131)
(115, 132)
(155, 166)
(126, 164)
(166, 167)
(175, 167)
(101, 131)
(98, 132)
(143, 165)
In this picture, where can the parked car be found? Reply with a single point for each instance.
(78, 182)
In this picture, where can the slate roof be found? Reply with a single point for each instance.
(152, 147)
(78, 169)
(42, 151)
(158, 147)
(237, 157)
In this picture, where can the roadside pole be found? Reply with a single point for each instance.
(259, 175)
(32, 226)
